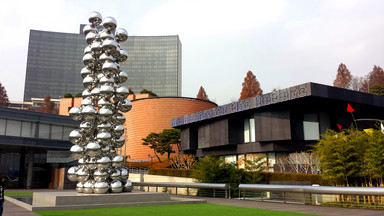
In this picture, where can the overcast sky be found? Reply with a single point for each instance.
(284, 43)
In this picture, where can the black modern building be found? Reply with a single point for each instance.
(55, 61)
(278, 123)
(32, 144)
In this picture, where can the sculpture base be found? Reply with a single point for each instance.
(43, 201)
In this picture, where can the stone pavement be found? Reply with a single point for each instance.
(11, 209)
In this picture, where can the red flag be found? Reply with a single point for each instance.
(350, 109)
(339, 126)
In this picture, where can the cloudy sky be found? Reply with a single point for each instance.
(284, 43)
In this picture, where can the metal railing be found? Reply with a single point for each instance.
(136, 170)
(200, 189)
(314, 194)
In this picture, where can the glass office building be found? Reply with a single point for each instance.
(55, 61)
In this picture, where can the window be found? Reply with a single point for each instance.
(13, 128)
(44, 131)
(28, 129)
(249, 130)
(2, 126)
(311, 127)
(57, 132)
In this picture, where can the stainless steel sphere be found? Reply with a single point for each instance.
(91, 163)
(85, 72)
(89, 28)
(76, 136)
(118, 142)
(104, 137)
(93, 149)
(118, 118)
(109, 45)
(86, 93)
(105, 114)
(100, 175)
(117, 161)
(123, 174)
(104, 103)
(80, 187)
(109, 23)
(89, 82)
(121, 92)
(89, 113)
(125, 105)
(87, 50)
(118, 130)
(88, 187)
(75, 113)
(95, 93)
(87, 101)
(103, 163)
(95, 18)
(90, 37)
(107, 91)
(104, 127)
(83, 174)
(116, 186)
(87, 128)
(106, 149)
(121, 35)
(107, 80)
(109, 68)
(128, 186)
(96, 48)
(100, 187)
(123, 56)
(115, 53)
(106, 35)
(104, 58)
(71, 174)
(121, 77)
(116, 174)
(76, 151)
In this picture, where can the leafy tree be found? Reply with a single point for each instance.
(373, 158)
(79, 94)
(341, 155)
(377, 90)
(343, 77)
(148, 92)
(202, 94)
(167, 139)
(48, 106)
(68, 95)
(4, 101)
(254, 166)
(152, 141)
(130, 91)
(251, 87)
(376, 77)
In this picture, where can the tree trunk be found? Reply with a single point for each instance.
(157, 156)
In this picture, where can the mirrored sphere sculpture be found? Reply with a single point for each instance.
(100, 134)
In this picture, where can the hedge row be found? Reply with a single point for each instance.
(172, 172)
(267, 177)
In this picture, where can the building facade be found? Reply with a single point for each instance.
(55, 61)
(32, 144)
(148, 114)
(276, 124)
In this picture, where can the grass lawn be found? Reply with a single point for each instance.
(18, 194)
(171, 210)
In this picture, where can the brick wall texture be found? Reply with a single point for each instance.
(148, 114)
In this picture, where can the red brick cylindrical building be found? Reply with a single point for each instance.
(154, 114)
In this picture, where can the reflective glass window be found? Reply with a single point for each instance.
(13, 128)
(28, 129)
(2, 126)
(56, 132)
(311, 127)
(44, 131)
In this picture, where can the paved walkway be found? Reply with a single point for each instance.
(11, 209)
